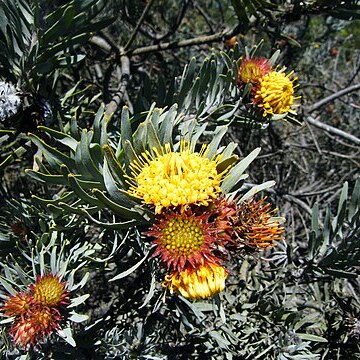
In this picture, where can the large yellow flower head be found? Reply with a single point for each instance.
(275, 93)
(205, 281)
(176, 178)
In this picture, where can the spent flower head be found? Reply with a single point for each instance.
(9, 101)
(256, 225)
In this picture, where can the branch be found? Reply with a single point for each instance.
(298, 202)
(101, 43)
(188, 42)
(332, 97)
(119, 95)
(333, 130)
(142, 17)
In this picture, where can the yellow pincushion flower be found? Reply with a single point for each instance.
(275, 93)
(205, 281)
(176, 178)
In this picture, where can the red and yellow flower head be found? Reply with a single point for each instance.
(185, 238)
(252, 70)
(38, 311)
(273, 91)
(18, 304)
(34, 326)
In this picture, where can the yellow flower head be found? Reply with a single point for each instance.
(205, 281)
(275, 93)
(49, 291)
(176, 178)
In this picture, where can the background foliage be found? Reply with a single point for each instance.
(74, 64)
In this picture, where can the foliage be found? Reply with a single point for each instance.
(93, 91)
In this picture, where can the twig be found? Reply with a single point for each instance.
(318, 192)
(333, 130)
(332, 97)
(142, 17)
(354, 75)
(108, 45)
(299, 202)
(203, 14)
(175, 25)
(314, 139)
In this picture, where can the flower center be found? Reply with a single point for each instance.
(182, 236)
(49, 291)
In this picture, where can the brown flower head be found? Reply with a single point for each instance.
(255, 224)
